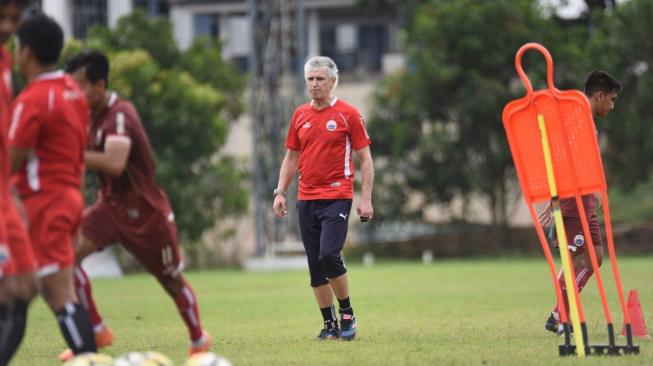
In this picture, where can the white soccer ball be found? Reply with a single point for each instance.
(90, 359)
(150, 358)
(207, 359)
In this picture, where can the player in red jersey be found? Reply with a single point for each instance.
(17, 280)
(131, 209)
(321, 138)
(47, 136)
(602, 90)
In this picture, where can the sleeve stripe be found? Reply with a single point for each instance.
(344, 119)
(50, 99)
(15, 119)
(120, 123)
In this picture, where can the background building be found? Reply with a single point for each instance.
(76, 16)
(358, 39)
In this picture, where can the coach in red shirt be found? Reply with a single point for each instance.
(321, 138)
(47, 136)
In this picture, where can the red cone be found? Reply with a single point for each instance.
(637, 324)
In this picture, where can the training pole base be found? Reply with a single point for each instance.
(599, 350)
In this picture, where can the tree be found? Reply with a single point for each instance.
(620, 45)
(185, 100)
(437, 126)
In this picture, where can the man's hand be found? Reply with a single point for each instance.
(280, 206)
(545, 217)
(364, 210)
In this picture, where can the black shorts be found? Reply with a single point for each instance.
(323, 225)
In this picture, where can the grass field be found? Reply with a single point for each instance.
(476, 312)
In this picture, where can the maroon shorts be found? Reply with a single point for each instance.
(54, 219)
(149, 234)
(575, 237)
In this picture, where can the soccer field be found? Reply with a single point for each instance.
(471, 312)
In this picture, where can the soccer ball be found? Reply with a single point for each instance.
(149, 358)
(207, 359)
(90, 359)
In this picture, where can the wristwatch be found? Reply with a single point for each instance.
(278, 191)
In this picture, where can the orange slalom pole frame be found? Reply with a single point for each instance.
(568, 122)
(615, 270)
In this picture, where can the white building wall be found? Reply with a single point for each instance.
(183, 27)
(117, 9)
(61, 11)
(313, 33)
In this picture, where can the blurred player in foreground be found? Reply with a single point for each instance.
(47, 136)
(131, 208)
(17, 266)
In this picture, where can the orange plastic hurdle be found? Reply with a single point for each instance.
(542, 127)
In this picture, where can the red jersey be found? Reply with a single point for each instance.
(325, 140)
(50, 116)
(120, 120)
(6, 94)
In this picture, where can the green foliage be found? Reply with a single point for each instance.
(439, 123)
(621, 46)
(137, 30)
(437, 126)
(633, 206)
(204, 61)
(185, 100)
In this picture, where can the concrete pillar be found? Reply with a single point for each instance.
(182, 22)
(61, 11)
(117, 9)
(224, 34)
(313, 33)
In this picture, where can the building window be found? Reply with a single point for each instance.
(153, 7)
(355, 47)
(87, 13)
(206, 25)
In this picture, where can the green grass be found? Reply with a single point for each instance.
(476, 312)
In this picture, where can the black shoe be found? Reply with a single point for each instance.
(552, 324)
(347, 327)
(328, 334)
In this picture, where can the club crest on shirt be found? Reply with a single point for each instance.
(4, 253)
(331, 125)
(579, 240)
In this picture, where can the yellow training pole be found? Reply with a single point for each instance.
(562, 240)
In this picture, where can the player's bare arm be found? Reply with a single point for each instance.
(286, 173)
(364, 208)
(113, 159)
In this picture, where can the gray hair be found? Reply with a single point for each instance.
(319, 62)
